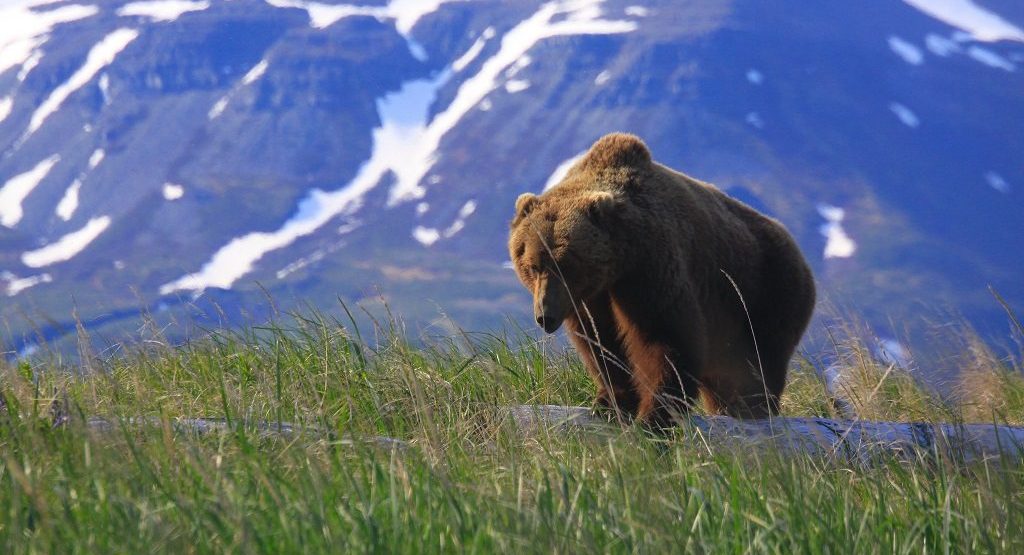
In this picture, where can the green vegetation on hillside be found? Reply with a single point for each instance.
(464, 479)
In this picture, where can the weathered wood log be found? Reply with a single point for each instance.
(204, 426)
(262, 429)
(854, 440)
(60, 414)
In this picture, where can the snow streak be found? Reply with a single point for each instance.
(405, 144)
(172, 191)
(908, 117)
(13, 193)
(982, 24)
(16, 285)
(561, 171)
(69, 202)
(838, 243)
(162, 10)
(100, 56)
(67, 246)
(23, 30)
(910, 53)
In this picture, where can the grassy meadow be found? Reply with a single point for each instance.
(463, 478)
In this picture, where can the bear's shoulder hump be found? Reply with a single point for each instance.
(617, 150)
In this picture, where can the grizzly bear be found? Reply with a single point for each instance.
(670, 290)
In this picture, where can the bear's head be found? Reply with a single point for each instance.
(563, 251)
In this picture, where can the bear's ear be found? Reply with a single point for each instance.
(524, 204)
(600, 205)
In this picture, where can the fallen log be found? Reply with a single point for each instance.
(263, 429)
(854, 440)
(61, 417)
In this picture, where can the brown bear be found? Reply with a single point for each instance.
(669, 288)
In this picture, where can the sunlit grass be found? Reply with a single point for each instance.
(464, 479)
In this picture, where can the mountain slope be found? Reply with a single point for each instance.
(156, 150)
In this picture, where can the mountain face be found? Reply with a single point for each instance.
(159, 155)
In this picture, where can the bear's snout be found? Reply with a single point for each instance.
(549, 323)
(550, 305)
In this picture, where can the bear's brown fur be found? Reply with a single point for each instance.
(659, 279)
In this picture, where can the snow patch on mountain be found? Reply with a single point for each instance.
(6, 103)
(991, 59)
(29, 65)
(255, 73)
(172, 191)
(561, 171)
(23, 30)
(474, 51)
(16, 285)
(398, 112)
(249, 78)
(457, 226)
(513, 86)
(581, 17)
(982, 24)
(754, 119)
(426, 235)
(997, 182)
(218, 108)
(69, 202)
(301, 263)
(348, 226)
(322, 16)
(405, 12)
(460, 222)
(405, 145)
(906, 115)
(910, 53)
(838, 244)
(941, 46)
(162, 10)
(518, 65)
(13, 193)
(96, 157)
(100, 56)
(67, 246)
(467, 209)
(104, 84)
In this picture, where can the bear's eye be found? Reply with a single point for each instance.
(534, 269)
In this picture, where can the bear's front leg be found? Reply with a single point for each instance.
(618, 404)
(594, 335)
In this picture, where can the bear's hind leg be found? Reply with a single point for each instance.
(680, 390)
(742, 384)
(666, 359)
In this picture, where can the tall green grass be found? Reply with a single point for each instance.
(465, 479)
